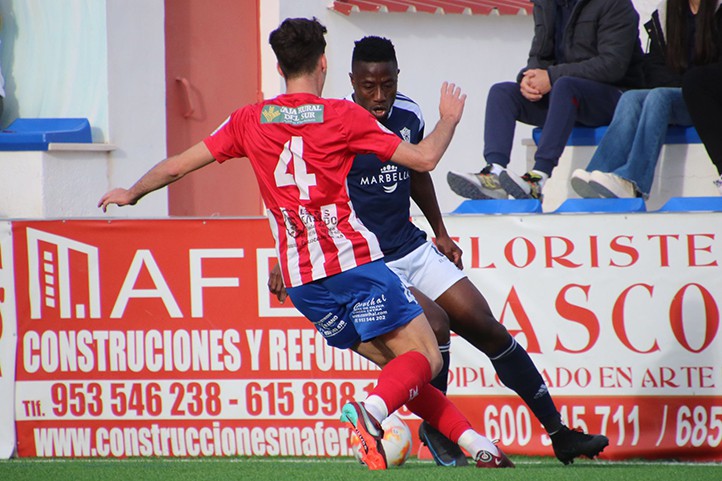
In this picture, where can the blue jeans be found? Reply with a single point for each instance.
(571, 101)
(630, 147)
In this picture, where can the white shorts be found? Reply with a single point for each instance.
(428, 270)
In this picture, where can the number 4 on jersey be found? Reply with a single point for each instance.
(293, 150)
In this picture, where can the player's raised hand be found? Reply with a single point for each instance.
(451, 105)
(116, 196)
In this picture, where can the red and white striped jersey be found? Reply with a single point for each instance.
(301, 148)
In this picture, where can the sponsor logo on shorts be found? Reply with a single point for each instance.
(371, 310)
(330, 325)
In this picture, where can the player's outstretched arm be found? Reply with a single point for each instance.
(425, 155)
(162, 174)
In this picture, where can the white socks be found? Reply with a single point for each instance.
(376, 407)
(474, 442)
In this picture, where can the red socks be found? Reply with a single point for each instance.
(405, 380)
(402, 379)
(436, 409)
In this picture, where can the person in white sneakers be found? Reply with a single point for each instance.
(584, 54)
(682, 34)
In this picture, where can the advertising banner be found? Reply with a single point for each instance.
(8, 338)
(148, 338)
(620, 313)
(159, 338)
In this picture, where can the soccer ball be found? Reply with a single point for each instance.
(396, 441)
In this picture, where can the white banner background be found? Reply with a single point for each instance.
(620, 313)
(632, 299)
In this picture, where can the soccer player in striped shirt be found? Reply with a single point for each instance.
(301, 147)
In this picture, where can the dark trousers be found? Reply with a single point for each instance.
(702, 91)
(571, 101)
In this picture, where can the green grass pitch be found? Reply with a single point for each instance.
(282, 469)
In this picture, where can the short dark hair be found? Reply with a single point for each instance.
(374, 49)
(298, 44)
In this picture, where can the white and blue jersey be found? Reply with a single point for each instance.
(380, 191)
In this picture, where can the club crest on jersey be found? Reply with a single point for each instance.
(282, 114)
(406, 134)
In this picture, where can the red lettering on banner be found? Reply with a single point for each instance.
(663, 247)
(624, 249)
(514, 304)
(559, 259)
(618, 320)
(703, 377)
(476, 256)
(615, 377)
(577, 314)
(619, 251)
(564, 377)
(465, 377)
(530, 252)
(593, 251)
(692, 249)
(711, 315)
(664, 377)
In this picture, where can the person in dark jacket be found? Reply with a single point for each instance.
(682, 33)
(703, 97)
(584, 54)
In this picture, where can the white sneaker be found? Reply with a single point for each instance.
(611, 185)
(718, 184)
(580, 183)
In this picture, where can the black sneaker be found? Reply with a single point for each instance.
(444, 451)
(570, 443)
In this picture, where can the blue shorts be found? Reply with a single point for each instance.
(356, 305)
